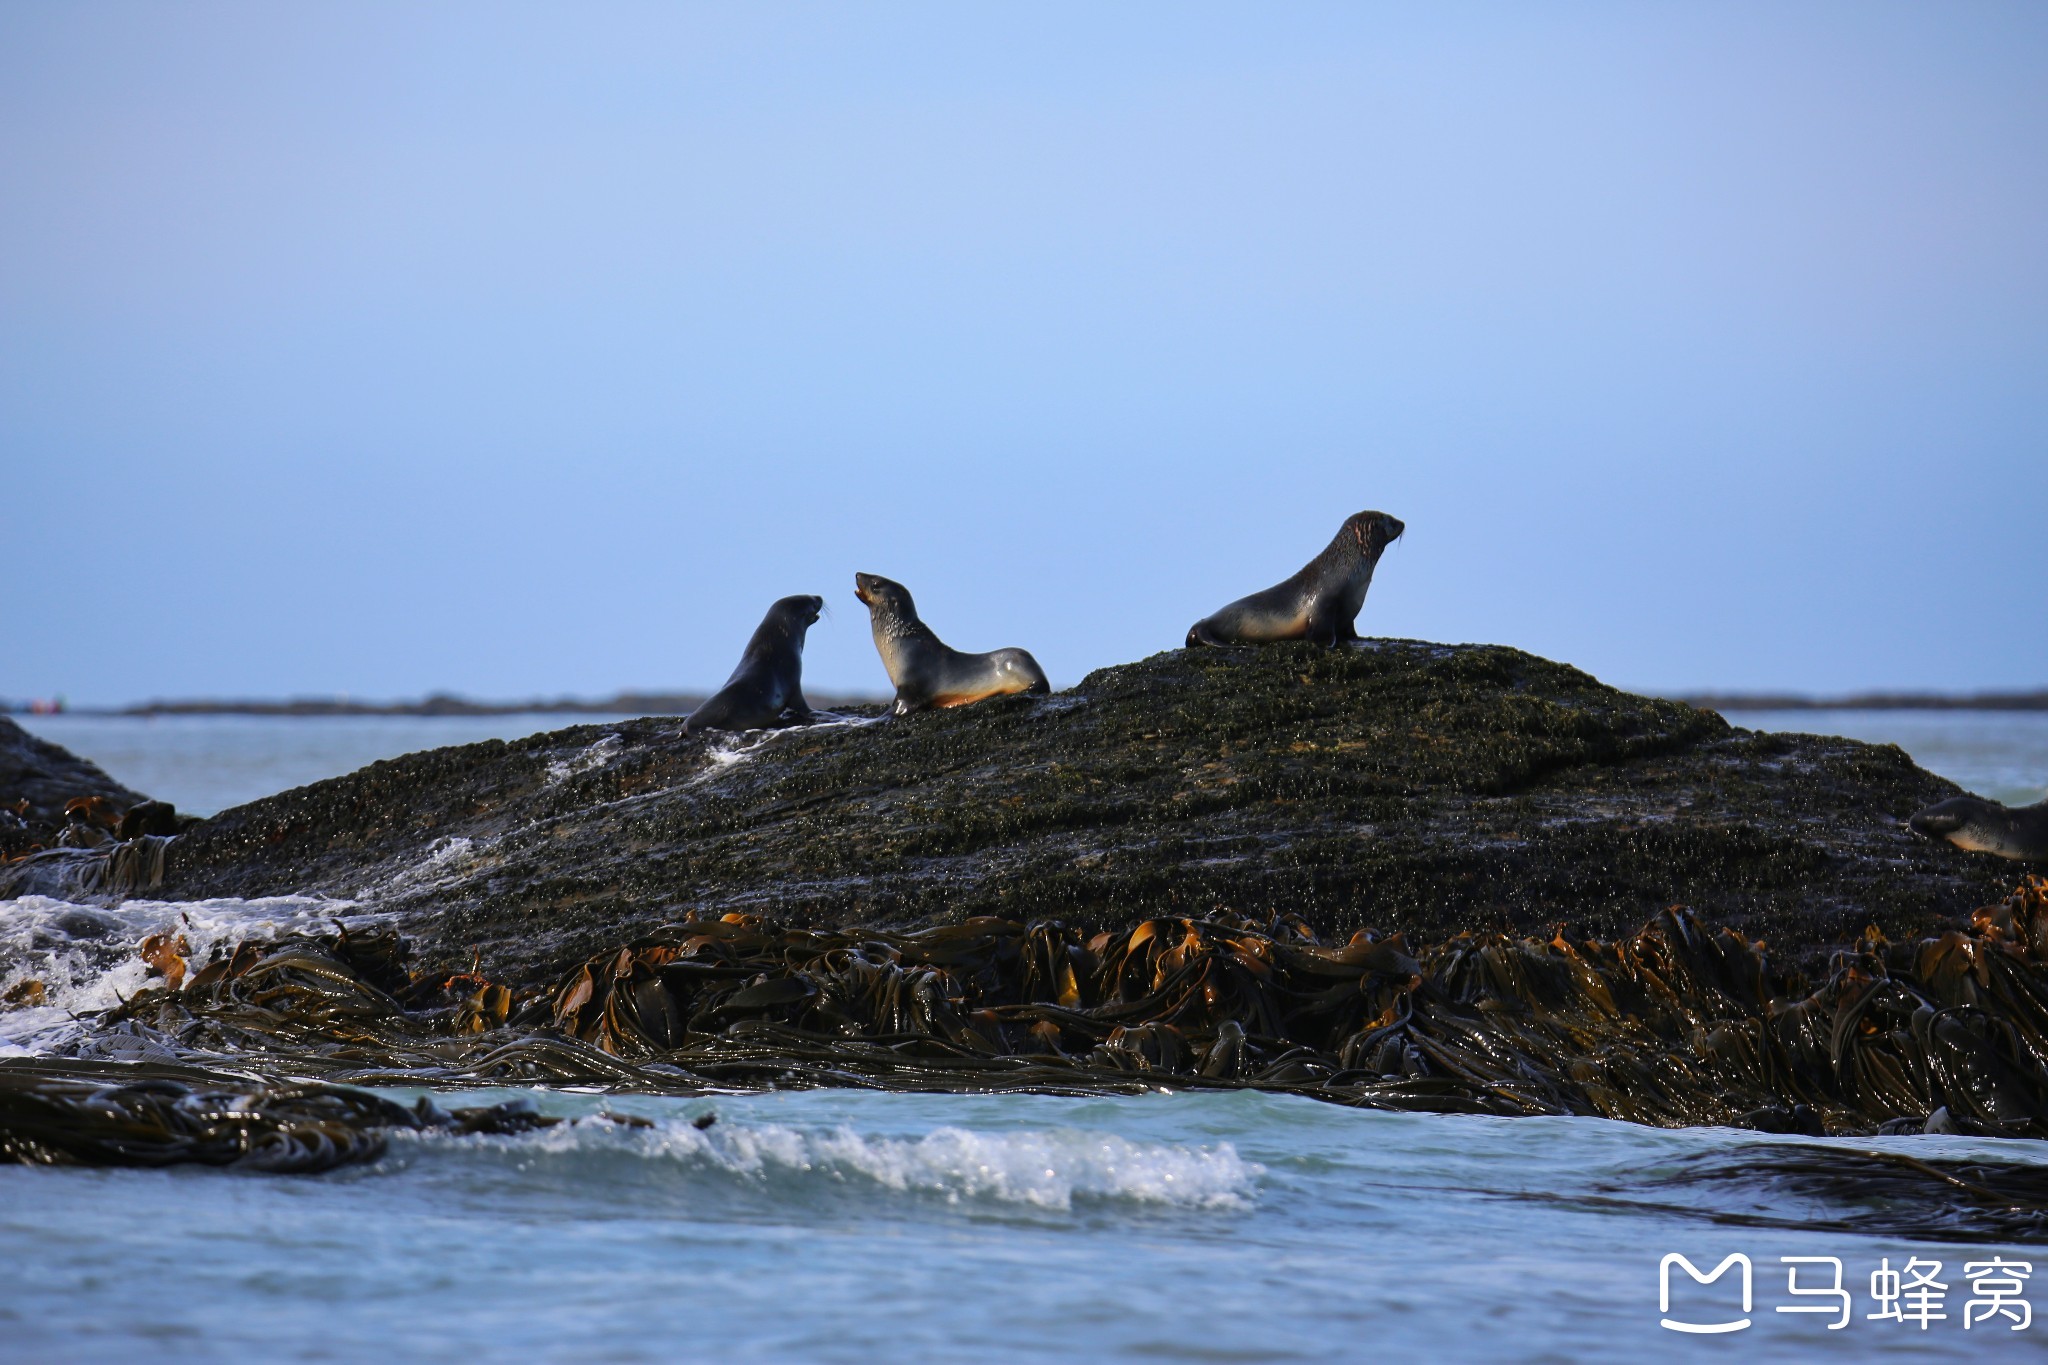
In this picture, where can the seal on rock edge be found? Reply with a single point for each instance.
(769, 679)
(1978, 826)
(1319, 603)
(925, 671)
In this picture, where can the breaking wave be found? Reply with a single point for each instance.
(58, 958)
(1043, 1169)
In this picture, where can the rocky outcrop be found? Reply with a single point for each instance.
(47, 777)
(50, 797)
(1399, 785)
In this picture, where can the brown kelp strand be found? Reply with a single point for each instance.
(65, 1114)
(1677, 1024)
(1842, 1190)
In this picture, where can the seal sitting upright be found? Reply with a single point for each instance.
(1978, 826)
(925, 671)
(769, 680)
(1320, 603)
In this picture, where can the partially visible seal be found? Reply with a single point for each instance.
(1978, 826)
(925, 671)
(1319, 603)
(769, 681)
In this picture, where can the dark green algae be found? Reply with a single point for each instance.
(1396, 785)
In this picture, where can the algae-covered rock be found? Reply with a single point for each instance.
(1395, 784)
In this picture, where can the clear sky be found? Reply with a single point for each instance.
(532, 350)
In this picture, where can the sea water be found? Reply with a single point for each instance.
(843, 1225)
(848, 1226)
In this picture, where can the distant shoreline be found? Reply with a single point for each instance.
(1868, 701)
(682, 703)
(624, 704)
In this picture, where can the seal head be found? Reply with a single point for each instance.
(1978, 826)
(1320, 602)
(768, 684)
(926, 671)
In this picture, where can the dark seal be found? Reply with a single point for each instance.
(924, 669)
(769, 681)
(1978, 826)
(1319, 603)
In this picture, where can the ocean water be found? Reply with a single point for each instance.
(847, 1226)
(843, 1225)
(204, 764)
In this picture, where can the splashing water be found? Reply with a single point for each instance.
(84, 958)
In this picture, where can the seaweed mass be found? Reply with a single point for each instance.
(1394, 874)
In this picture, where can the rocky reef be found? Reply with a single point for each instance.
(1399, 786)
(1398, 874)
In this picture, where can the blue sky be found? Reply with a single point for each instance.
(532, 350)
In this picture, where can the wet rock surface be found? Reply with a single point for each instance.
(1395, 785)
(38, 780)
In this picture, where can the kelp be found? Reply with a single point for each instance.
(1837, 1189)
(65, 1115)
(1677, 1024)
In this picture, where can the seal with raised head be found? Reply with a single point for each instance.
(924, 669)
(769, 681)
(1319, 603)
(1978, 826)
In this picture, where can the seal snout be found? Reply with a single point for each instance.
(1944, 818)
(1374, 530)
(1934, 823)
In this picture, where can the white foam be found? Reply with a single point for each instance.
(85, 955)
(595, 756)
(1040, 1168)
(447, 860)
(728, 749)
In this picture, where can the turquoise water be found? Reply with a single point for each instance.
(839, 1226)
(846, 1226)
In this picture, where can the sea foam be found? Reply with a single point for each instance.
(1039, 1168)
(85, 955)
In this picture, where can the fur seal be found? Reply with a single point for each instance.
(1978, 826)
(769, 680)
(1319, 603)
(925, 671)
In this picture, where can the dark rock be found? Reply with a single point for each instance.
(150, 817)
(38, 780)
(1797, 1118)
(48, 777)
(1395, 784)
